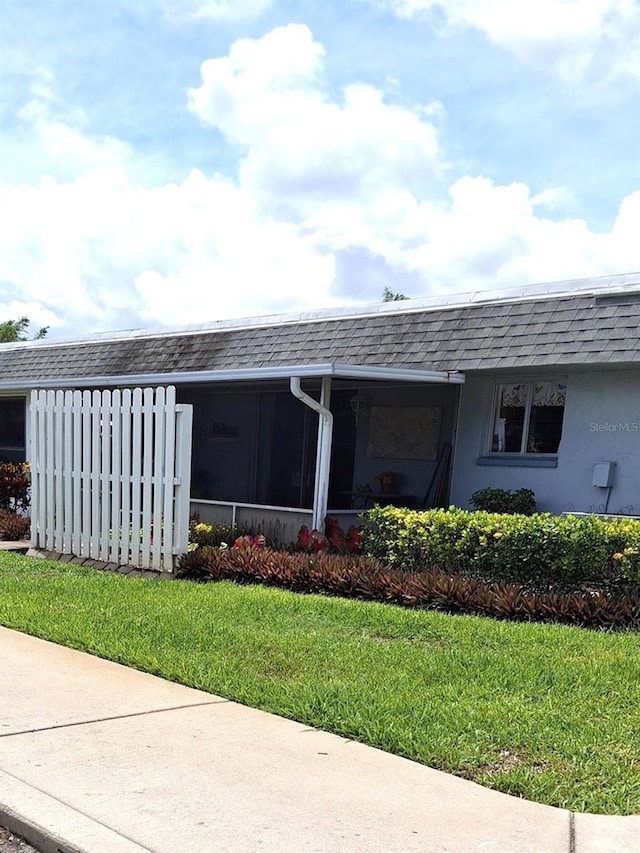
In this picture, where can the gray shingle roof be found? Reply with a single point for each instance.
(554, 331)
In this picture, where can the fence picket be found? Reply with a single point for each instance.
(94, 513)
(115, 478)
(105, 473)
(168, 475)
(66, 472)
(42, 483)
(158, 458)
(85, 475)
(146, 510)
(136, 477)
(76, 471)
(49, 523)
(126, 531)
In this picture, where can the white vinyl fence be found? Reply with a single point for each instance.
(110, 474)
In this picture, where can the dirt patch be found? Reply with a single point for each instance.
(505, 762)
(10, 843)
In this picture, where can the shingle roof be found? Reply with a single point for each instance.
(572, 329)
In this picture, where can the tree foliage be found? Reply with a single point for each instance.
(17, 330)
(389, 296)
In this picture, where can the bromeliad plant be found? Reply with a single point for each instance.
(333, 540)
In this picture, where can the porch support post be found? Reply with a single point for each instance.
(323, 454)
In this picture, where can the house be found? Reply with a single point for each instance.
(298, 415)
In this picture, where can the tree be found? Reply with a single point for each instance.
(390, 296)
(16, 330)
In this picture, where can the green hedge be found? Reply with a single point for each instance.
(538, 551)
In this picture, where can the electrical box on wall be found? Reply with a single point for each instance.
(603, 474)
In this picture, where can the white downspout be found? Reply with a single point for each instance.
(323, 455)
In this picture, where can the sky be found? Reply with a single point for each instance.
(166, 162)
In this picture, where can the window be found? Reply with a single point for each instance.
(12, 426)
(528, 417)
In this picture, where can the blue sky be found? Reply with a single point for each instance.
(177, 161)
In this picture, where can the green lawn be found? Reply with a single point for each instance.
(549, 713)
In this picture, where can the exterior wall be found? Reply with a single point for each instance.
(601, 424)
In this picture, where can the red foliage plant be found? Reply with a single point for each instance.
(14, 487)
(14, 527)
(333, 539)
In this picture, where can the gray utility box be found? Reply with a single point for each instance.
(603, 474)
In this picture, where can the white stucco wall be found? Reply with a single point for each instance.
(601, 424)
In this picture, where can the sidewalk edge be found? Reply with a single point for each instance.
(52, 826)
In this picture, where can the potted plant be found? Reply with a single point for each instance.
(387, 482)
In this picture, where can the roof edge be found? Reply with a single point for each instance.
(621, 283)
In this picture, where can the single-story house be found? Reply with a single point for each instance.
(412, 402)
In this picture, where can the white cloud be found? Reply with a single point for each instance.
(493, 235)
(596, 40)
(302, 149)
(100, 248)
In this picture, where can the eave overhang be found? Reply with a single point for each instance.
(245, 374)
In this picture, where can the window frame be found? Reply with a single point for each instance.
(513, 456)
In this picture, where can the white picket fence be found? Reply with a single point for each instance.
(110, 474)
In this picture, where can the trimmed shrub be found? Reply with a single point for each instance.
(537, 552)
(367, 579)
(521, 502)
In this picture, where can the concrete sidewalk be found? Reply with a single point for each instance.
(100, 758)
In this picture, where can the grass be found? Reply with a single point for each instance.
(545, 712)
